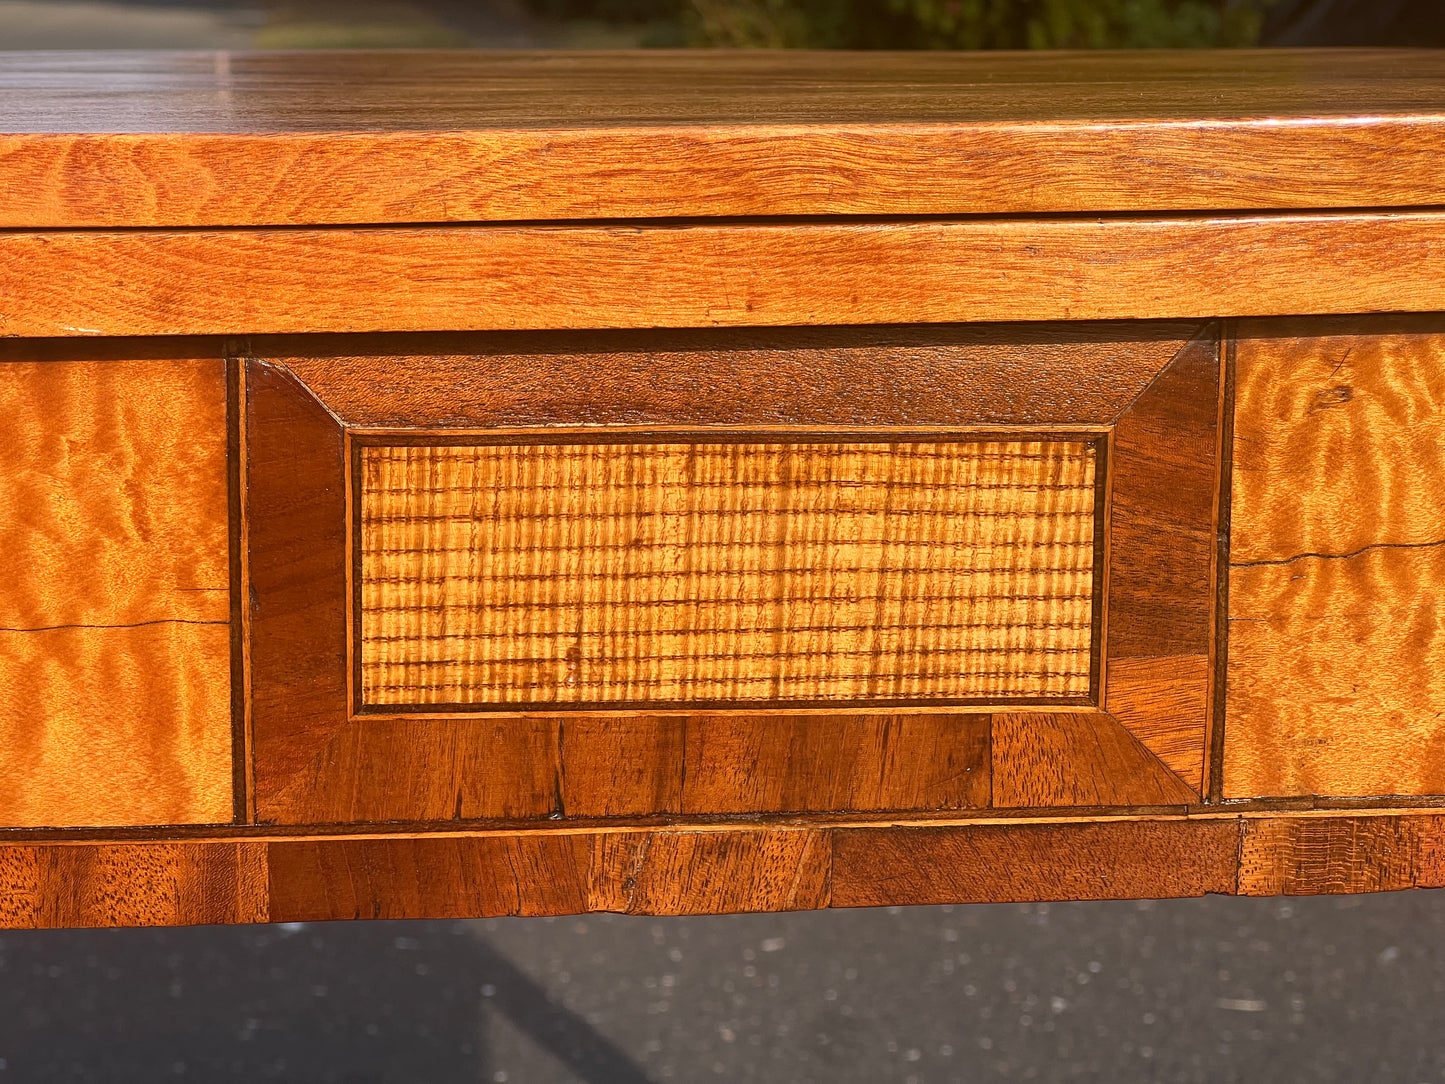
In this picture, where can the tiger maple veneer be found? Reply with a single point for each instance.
(696, 483)
(659, 574)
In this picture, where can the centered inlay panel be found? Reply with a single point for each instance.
(724, 570)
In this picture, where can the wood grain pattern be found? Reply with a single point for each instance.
(223, 139)
(654, 571)
(1077, 759)
(1164, 464)
(670, 872)
(993, 863)
(472, 768)
(449, 877)
(1162, 702)
(801, 763)
(114, 596)
(1161, 523)
(710, 275)
(653, 871)
(132, 884)
(530, 768)
(296, 577)
(315, 765)
(318, 764)
(692, 869)
(1338, 576)
(656, 872)
(912, 375)
(696, 869)
(1319, 855)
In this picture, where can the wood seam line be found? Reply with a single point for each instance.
(284, 797)
(1197, 336)
(1224, 498)
(287, 374)
(1151, 755)
(1238, 853)
(363, 831)
(1276, 561)
(1216, 563)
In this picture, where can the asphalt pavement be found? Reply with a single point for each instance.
(1347, 989)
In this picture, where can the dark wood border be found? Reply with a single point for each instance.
(317, 762)
(1163, 521)
(296, 577)
(1219, 720)
(260, 876)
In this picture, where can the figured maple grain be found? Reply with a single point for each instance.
(1337, 584)
(114, 591)
(1077, 759)
(588, 574)
(222, 139)
(473, 278)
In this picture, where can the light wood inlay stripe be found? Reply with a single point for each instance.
(726, 572)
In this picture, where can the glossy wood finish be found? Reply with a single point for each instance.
(151, 884)
(860, 377)
(718, 275)
(115, 608)
(668, 570)
(297, 139)
(316, 762)
(1078, 759)
(710, 870)
(489, 259)
(1163, 522)
(326, 751)
(1337, 578)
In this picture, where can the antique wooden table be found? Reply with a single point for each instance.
(442, 484)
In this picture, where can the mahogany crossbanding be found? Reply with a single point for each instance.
(670, 570)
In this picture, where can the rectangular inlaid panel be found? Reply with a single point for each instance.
(115, 637)
(675, 571)
(1336, 666)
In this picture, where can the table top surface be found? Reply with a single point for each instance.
(371, 138)
(437, 91)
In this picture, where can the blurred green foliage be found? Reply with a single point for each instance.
(926, 24)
